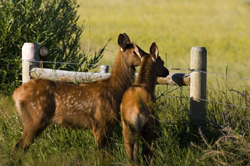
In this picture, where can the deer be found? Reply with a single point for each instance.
(90, 106)
(138, 107)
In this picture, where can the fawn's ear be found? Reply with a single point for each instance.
(154, 52)
(138, 51)
(123, 39)
(126, 37)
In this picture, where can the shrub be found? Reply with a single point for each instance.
(48, 23)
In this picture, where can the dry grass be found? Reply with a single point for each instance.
(230, 149)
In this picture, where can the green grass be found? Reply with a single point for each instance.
(176, 145)
(176, 26)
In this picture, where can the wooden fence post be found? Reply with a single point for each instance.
(30, 52)
(198, 84)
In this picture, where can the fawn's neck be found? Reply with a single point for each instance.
(122, 75)
(146, 76)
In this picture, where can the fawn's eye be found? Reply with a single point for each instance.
(134, 52)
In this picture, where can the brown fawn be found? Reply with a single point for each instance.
(138, 109)
(94, 106)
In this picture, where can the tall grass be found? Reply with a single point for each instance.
(226, 140)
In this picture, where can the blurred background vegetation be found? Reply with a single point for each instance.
(53, 24)
(176, 26)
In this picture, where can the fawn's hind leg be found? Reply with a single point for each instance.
(101, 138)
(131, 143)
(30, 132)
(147, 147)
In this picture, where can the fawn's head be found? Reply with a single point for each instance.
(130, 51)
(160, 70)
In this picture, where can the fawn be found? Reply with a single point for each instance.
(93, 106)
(138, 109)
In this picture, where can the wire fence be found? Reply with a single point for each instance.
(210, 101)
(190, 71)
(180, 69)
(66, 63)
(171, 89)
(224, 114)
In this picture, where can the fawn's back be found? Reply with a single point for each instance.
(64, 104)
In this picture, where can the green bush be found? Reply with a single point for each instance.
(48, 23)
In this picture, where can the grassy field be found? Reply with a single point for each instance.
(226, 141)
(176, 26)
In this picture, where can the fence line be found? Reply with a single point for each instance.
(222, 75)
(166, 92)
(209, 73)
(210, 101)
(197, 73)
(224, 103)
(70, 63)
(179, 69)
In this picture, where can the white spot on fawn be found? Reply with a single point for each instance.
(33, 105)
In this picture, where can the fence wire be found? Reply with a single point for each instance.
(67, 63)
(210, 101)
(180, 69)
(192, 70)
(168, 90)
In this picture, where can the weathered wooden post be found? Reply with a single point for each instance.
(30, 52)
(198, 84)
